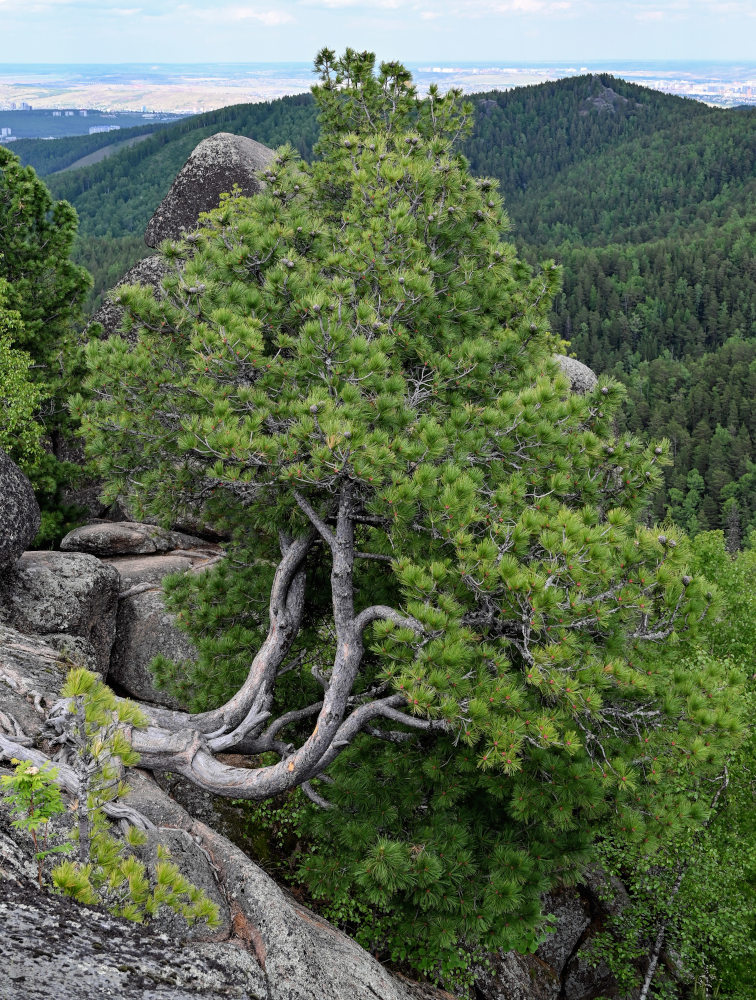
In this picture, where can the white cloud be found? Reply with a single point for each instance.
(650, 15)
(269, 17)
(367, 5)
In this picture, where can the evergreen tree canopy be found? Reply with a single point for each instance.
(20, 399)
(354, 369)
(36, 238)
(41, 295)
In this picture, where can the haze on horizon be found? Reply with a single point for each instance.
(181, 31)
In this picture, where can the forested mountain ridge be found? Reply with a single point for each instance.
(644, 198)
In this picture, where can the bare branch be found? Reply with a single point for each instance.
(315, 520)
(313, 796)
(379, 612)
(285, 720)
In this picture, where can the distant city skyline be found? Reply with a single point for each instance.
(116, 31)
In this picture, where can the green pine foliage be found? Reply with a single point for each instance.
(646, 200)
(41, 296)
(360, 325)
(20, 397)
(711, 920)
(107, 871)
(36, 236)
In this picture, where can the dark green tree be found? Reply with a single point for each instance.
(43, 291)
(20, 399)
(440, 598)
(696, 899)
(36, 238)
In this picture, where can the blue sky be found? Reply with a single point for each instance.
(411, 30)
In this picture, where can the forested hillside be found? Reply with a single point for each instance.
(644, 198)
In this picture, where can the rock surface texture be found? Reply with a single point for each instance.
(68, 598)
(19, 512)
(215, 167)
(267, 946)
(149, 271)
(119, 538)
(582, 378)
(52, 948)
(142, 555)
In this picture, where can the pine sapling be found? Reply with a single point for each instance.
(34, 798)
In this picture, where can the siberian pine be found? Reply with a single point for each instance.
(467, 627)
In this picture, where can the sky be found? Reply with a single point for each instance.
(169, 31)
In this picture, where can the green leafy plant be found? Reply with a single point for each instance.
(106, 871)
(34, 799)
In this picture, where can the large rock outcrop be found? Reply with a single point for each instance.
(19, 512)
(142, 555)
(217, 165)
(149, 271)
(129, 538)
(144, 627)
(582, 378)
(69, 599)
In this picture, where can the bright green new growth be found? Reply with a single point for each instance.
(358, 339)
(123, 883)
(102, 748)
(106, 871)
(20, 396)
(41, 296)
(34, 798)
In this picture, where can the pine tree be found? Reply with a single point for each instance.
(41, 297)
(36, 240)
(465, 623)
(20, 398)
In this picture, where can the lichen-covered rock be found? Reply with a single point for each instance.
(19, 512)
(62, 593)
(585, 978)
(267, 947)
(53, 948)
(32, 673)
(303, 956)
(117, 538)
(582, 378)
(149, 271)
(510, 976)
(145, 629)
(560, 968)
(572, 916)
(215, 167)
